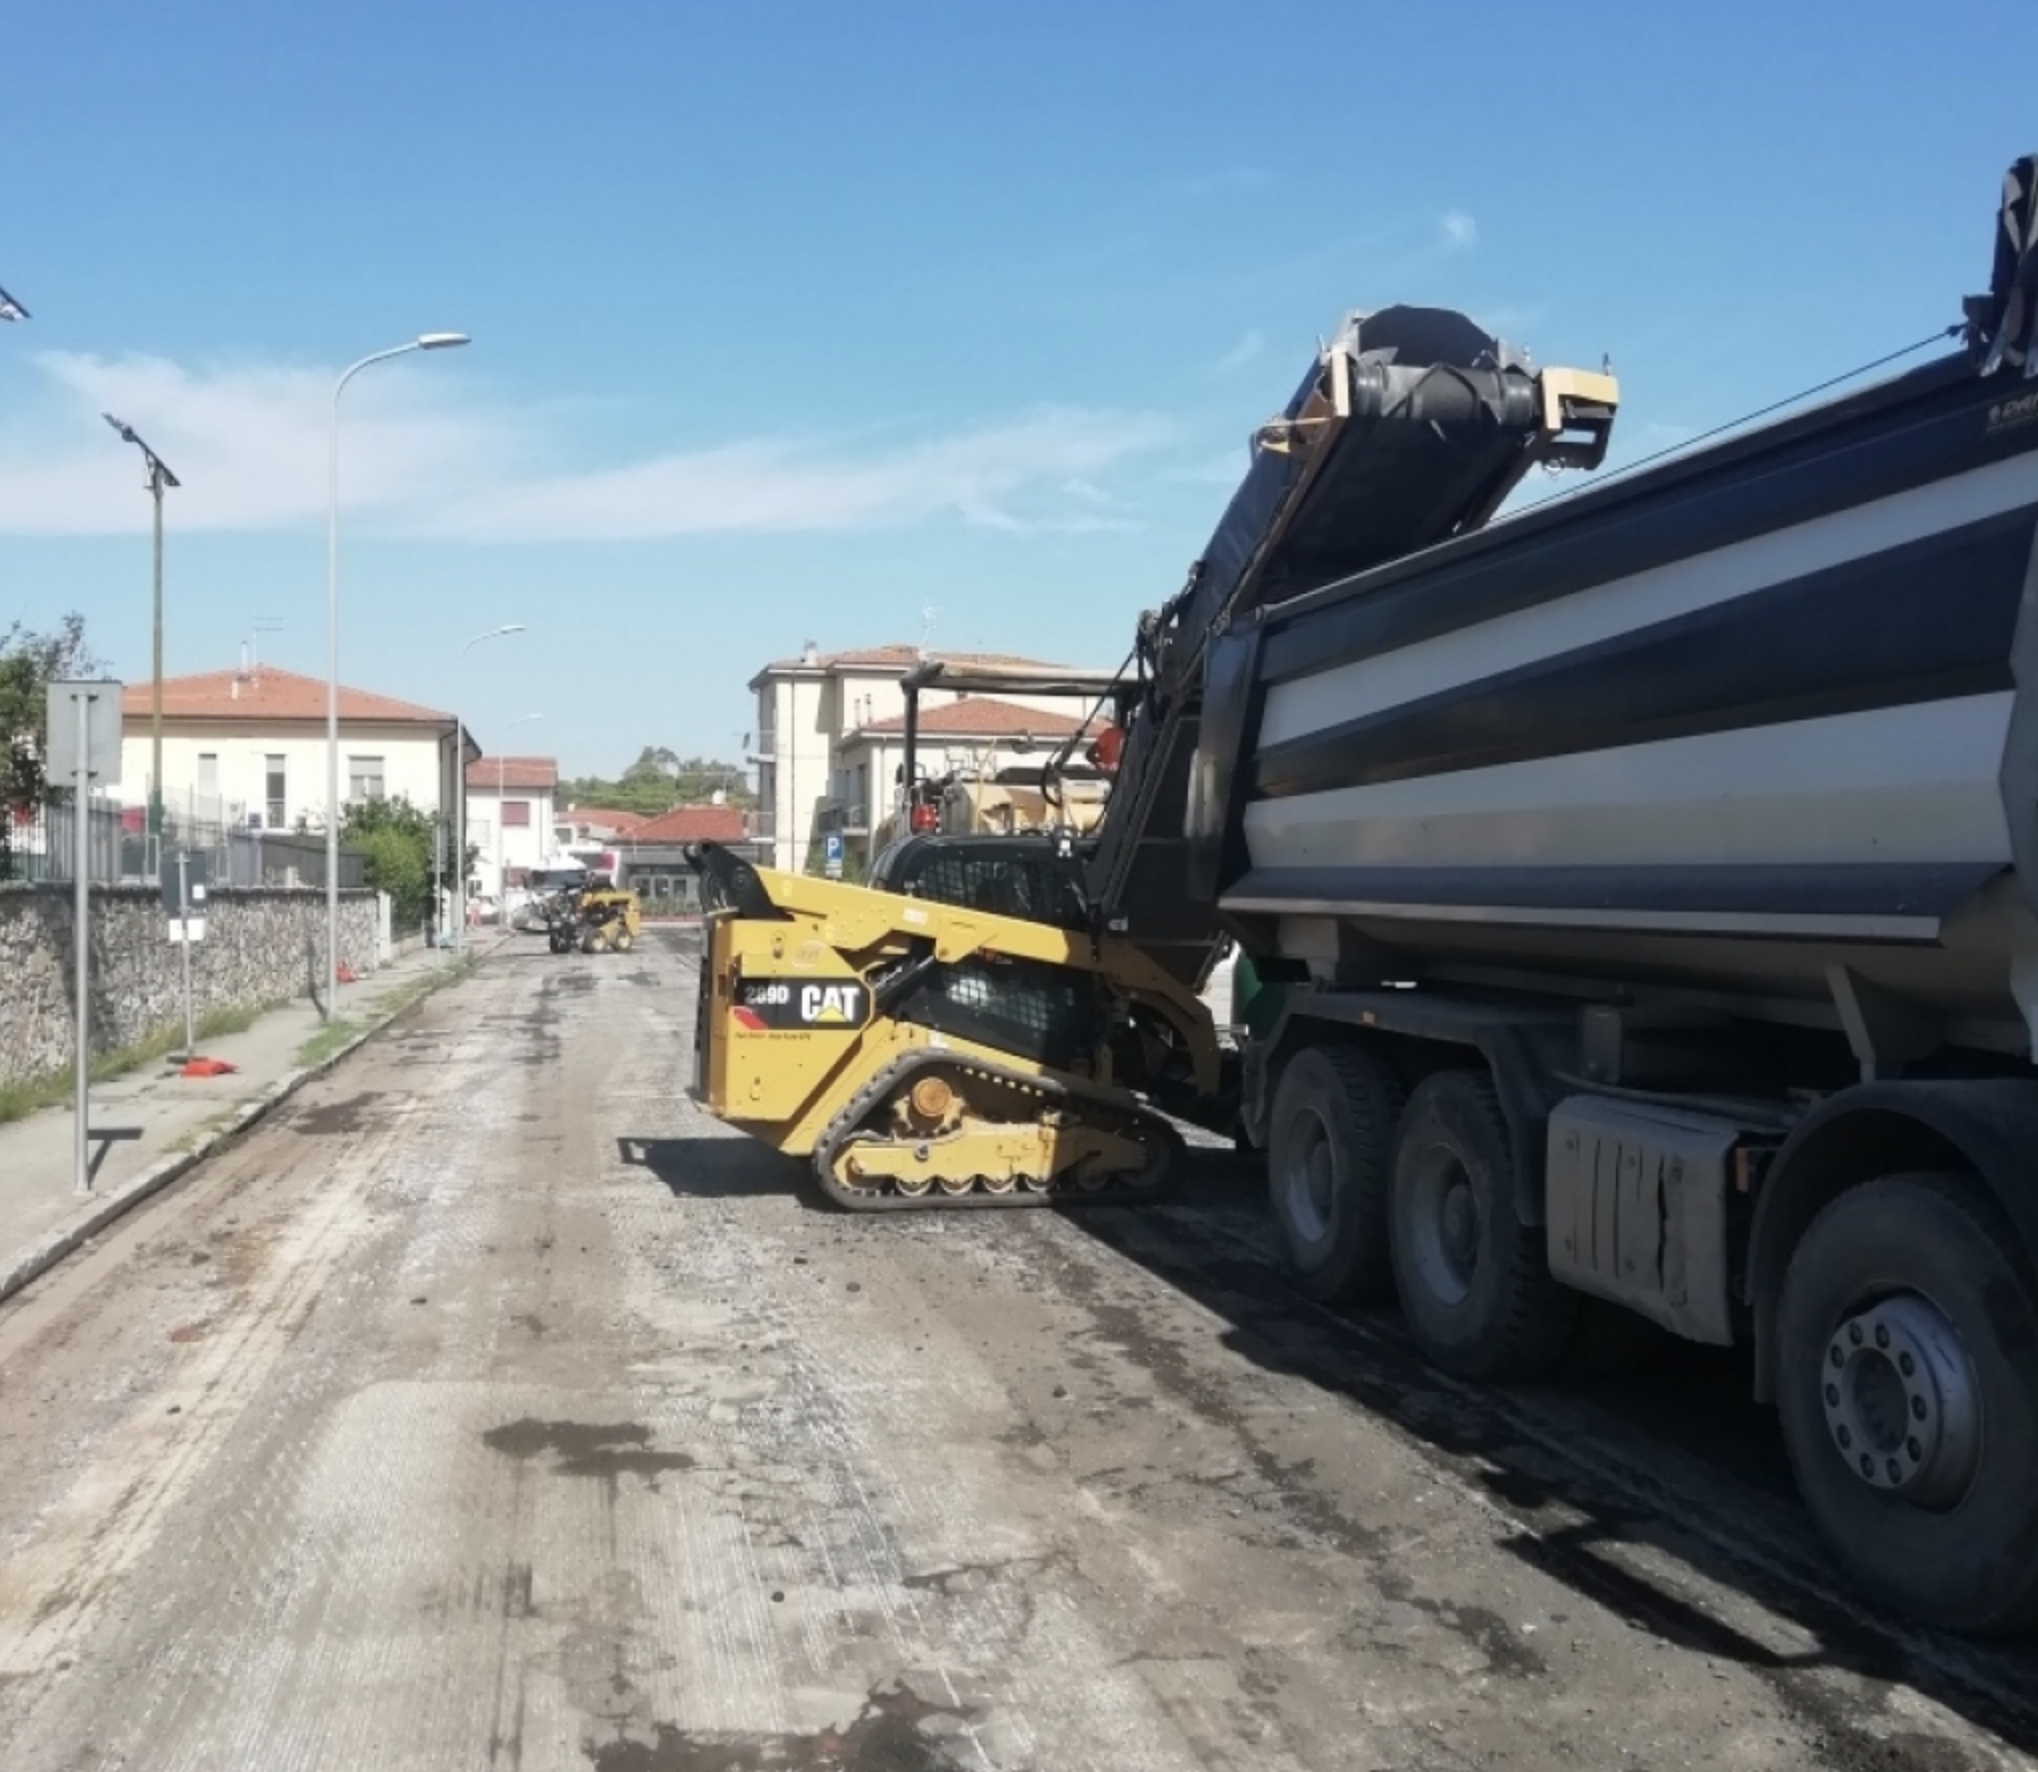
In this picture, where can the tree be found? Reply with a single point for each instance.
(659, 780)
(397, 840)
(29, 663)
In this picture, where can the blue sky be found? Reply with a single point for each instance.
(797, 320)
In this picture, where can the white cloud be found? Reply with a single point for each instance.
(1001, 476)
(1242, 353)
(1460, 230)
(424, 456)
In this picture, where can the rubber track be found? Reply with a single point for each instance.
(882, 1086)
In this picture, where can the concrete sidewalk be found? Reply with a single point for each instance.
(178, 1119)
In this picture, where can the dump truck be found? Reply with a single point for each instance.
(1637, 898)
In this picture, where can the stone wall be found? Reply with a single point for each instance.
(262, 944)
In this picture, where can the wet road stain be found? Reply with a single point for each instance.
(890, 1734)
(586, 1449)
(335, 1118)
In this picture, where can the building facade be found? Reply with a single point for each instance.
(652, 862)
(512, 820)
(830, 736)
(246, 749)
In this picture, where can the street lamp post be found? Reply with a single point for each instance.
(159, 476)
(426, 341)
(460, 795)
(501, 863)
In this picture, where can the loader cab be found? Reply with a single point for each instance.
(1027, 876)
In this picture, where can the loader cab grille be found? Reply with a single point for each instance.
(1024, 1006)
(1009, 876)
(1038, 1011)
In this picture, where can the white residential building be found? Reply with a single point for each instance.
(831, 735)
(247, 748)
(512, 819)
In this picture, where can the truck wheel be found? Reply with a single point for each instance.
(1330, 1145)
(1474, 1280)
(1907, 1380)
(624, 940)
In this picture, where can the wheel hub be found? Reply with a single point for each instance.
(1311, 1183)
(1446, 1215)
(1901, 1401)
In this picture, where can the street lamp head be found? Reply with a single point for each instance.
(441, 341)
(159, 470)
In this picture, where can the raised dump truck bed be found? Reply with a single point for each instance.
(1728, 724)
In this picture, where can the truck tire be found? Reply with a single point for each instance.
(1907, 1382)
(1474, 1280)
(1330, 1148)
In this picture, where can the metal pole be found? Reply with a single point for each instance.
(184, 929)
(330, 993)
(501, 871)
(459, 835)
(156, 686)
(81, 912)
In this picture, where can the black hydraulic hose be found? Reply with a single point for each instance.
(1747, 418)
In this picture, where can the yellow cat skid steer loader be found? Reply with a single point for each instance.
(923, 1055)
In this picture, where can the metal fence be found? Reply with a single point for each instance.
(39, 843)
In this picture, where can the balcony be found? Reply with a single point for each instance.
(836, 819)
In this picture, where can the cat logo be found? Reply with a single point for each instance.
(831, 1005)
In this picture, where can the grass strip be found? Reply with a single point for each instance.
(19, 1100)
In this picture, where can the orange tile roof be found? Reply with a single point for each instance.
(902, 658)
(978, 716)
(266, 693)
(691, 824)
(611, 818)
(517, 772)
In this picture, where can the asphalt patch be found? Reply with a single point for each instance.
(336, 1119)
(586, 1449)
(890, 1734)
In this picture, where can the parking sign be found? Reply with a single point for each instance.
(831, 854)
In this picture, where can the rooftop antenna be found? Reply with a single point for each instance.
(264, 624)
(928, 615)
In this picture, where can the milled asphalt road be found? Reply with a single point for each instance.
(488, 1407)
